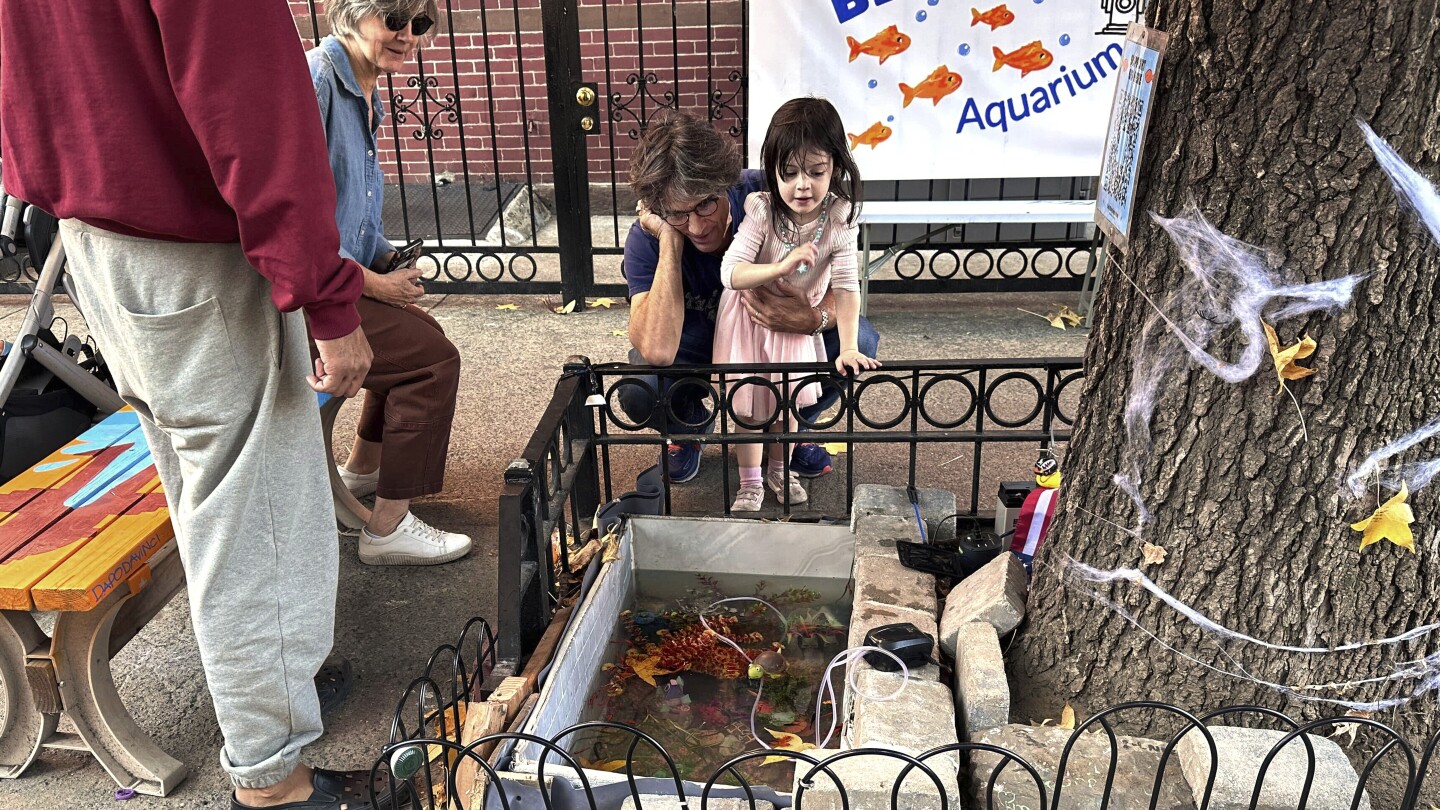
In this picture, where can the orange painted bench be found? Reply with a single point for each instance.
(86, 533)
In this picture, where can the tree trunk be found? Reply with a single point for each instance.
(1256, 121)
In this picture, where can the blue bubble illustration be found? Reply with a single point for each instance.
(920, 16)
(874, 84)
(933, 2)
(889, 118)
(964, 50)
(1064, 39)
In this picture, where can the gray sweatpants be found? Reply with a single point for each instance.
(218, 377)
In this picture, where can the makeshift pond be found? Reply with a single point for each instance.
(684, 637)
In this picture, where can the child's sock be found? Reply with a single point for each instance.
(749, 476)
(776, 466)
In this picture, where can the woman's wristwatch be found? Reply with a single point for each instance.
(824, 320)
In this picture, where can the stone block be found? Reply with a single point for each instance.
(994, 594)
(518, 217)
(1136, 762)
(868, 779)
(920, 717)
(935, 506)
(982, 693)
(875, 535)
(885, 581)
(1241, 752)
(672, 803)
(866, 616)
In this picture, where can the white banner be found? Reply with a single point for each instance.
(931, 89)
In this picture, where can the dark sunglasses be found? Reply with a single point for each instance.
(418, 25)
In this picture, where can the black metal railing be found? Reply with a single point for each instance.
(973, 768)
(568, 470)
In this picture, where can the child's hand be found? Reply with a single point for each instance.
(804, 254)
(854, 361)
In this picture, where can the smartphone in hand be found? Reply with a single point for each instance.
(405, 256)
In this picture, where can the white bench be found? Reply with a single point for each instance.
(947, 214)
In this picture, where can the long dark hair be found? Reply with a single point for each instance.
(804, 125)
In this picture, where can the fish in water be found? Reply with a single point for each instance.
(885, 44)
(1027, 58)
(995, 17)
(940, 83)
(872, 137)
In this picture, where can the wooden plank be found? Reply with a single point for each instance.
(546, 646)
(481, 720)
(40, 677)
(511, 694)
(118, 551)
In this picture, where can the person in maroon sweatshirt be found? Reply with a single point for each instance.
(180, 145)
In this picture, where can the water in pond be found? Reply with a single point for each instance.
(674, 678)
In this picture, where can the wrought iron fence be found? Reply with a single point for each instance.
(436, 751)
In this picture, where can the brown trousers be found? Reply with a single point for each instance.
(409, 397)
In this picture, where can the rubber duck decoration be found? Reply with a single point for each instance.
(1047, 471)
(1038, 509)
(769, 664)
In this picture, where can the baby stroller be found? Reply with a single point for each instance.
(51, 388)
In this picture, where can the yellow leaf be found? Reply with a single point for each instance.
(612, 765)
(1349, 729)
(1285, 368)
(619, 333)
(646, 666)
(785, 741)
(1056, 321)
(1067, 718)
(604, 302)
(565, 310)
(1154, 555)
(507, 306)
(611, 545)
(835, 448)
(1390, 521)
(1070, 316)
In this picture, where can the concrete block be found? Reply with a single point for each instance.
(994, 594)
(672, 803)
(920, 717)
(868, 779)
(875, 535)
(885, 581)
(1136, 762)
(935, 506)
(1241, 752)
(866, 616)
(982, 693)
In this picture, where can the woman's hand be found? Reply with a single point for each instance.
(804, 254)
(397, 289)
(853, 361)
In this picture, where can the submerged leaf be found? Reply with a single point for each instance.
(785, 742)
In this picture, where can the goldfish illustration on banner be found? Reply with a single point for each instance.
(1027, 58)
(995, 17)
(872, 137)
(940, 83)
(885, 44)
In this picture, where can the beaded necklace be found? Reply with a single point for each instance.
(786, 245)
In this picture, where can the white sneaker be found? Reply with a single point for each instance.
(414, 542)
(778, 482)
(359, 485)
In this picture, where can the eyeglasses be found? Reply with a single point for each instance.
(704, 209)
(418, 24)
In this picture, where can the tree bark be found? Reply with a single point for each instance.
(1256, 121)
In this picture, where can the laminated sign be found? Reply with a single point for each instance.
(939, 90)
(1139, 71)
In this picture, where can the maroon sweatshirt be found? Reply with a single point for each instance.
(179, 120)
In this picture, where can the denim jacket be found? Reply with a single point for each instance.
(350, 133)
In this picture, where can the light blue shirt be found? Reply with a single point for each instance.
(350, 128)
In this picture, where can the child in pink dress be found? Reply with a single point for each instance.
(801, 233)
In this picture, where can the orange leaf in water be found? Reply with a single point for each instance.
(646, 666)
(785, 742)
(1390, 521)
(1285, 368)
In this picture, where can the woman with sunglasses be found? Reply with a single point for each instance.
(410, 390)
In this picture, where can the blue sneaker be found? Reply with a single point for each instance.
(810, 461)
(684, 462)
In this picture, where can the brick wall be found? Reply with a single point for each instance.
(488, 105)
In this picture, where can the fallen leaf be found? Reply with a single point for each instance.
(565, 310)
(597, 765)
(1349, 729)
(1154, 555)
(1069, 316)
(611, 543)
(604, 302)
(785, 741)
(507, 306)
(619, 333)
(836, 448)
(646, 666)
(1285, 368)
(1390, 521)
(1067, 717)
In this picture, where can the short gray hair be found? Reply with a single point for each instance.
(345, 15)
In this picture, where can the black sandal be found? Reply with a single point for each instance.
(341, 790)
(333, 682)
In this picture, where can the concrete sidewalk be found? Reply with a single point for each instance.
(391, 619)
